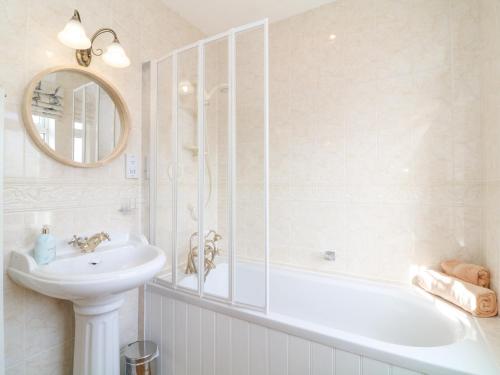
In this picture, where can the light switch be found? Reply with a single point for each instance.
(131, 167)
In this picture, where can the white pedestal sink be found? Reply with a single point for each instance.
(95, 283)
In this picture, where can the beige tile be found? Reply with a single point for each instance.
(14, 303)
(389, 117)
(374, 147)
(434, 234)
(43, 191)
(15, 370)
(57, 360)
(281, 230)
(433, 145)
(467, 152)
(14, 148)
(395, 156)
(465, 27)
(14, 232)
(49, 322)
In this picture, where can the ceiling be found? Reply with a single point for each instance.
(213, 16)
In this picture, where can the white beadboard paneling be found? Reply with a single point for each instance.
(258, 350)
(180, 337)
(278, 352)
(298, 356)
(147, 311)
(208, 342)
(194, 347)
(198, 341)
(321, 360)
(168, 334)
(240, 339)
(347, 363)
(223, 345)
(372, 367)
(156, 313)
(403, 371)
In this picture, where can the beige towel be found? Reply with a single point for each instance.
(479, 301)
(472, 273)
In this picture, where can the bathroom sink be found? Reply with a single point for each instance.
(112, 268)
(95, 283)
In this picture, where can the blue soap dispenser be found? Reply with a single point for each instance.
(45, 247)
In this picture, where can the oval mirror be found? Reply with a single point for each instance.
(76, 117)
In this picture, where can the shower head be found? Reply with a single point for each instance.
(186, 88)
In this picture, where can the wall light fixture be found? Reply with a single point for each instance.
(73, 35)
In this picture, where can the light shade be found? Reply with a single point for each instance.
(115, 56)
(73, 35)
(185, 88)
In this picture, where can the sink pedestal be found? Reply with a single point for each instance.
(95, 283)
(97, 344)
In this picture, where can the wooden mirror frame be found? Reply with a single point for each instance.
(118, 100)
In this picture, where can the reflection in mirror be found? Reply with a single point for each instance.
(75, 116)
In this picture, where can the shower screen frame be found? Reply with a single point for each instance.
(230, 35)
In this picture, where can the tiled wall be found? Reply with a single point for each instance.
(39, 330)
(375, 149)
(375, 136)
(374, 146)
(490, 116)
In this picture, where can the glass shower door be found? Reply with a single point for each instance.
(187, 160)
(216, 122)
(214, 154)
(250, 167)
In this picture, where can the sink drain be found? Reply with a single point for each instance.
(94, 262)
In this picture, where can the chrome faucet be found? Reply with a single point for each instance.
(211, 251)
(88, 245)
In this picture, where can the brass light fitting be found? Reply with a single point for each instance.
(73, 35)
(84, 56)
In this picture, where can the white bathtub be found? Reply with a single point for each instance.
(329, 322)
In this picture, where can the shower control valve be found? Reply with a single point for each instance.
(329, 255)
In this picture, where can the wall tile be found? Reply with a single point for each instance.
(384, 121)
(490, 132)
(48, 322)
(15, 370)
(41, 191)
(57, 360)
(14, 331)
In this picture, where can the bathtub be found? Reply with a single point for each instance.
(316, 325)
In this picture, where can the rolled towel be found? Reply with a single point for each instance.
(479, 301)
(472, 273)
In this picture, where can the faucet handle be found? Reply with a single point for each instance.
(329, 255)
(75, 240)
